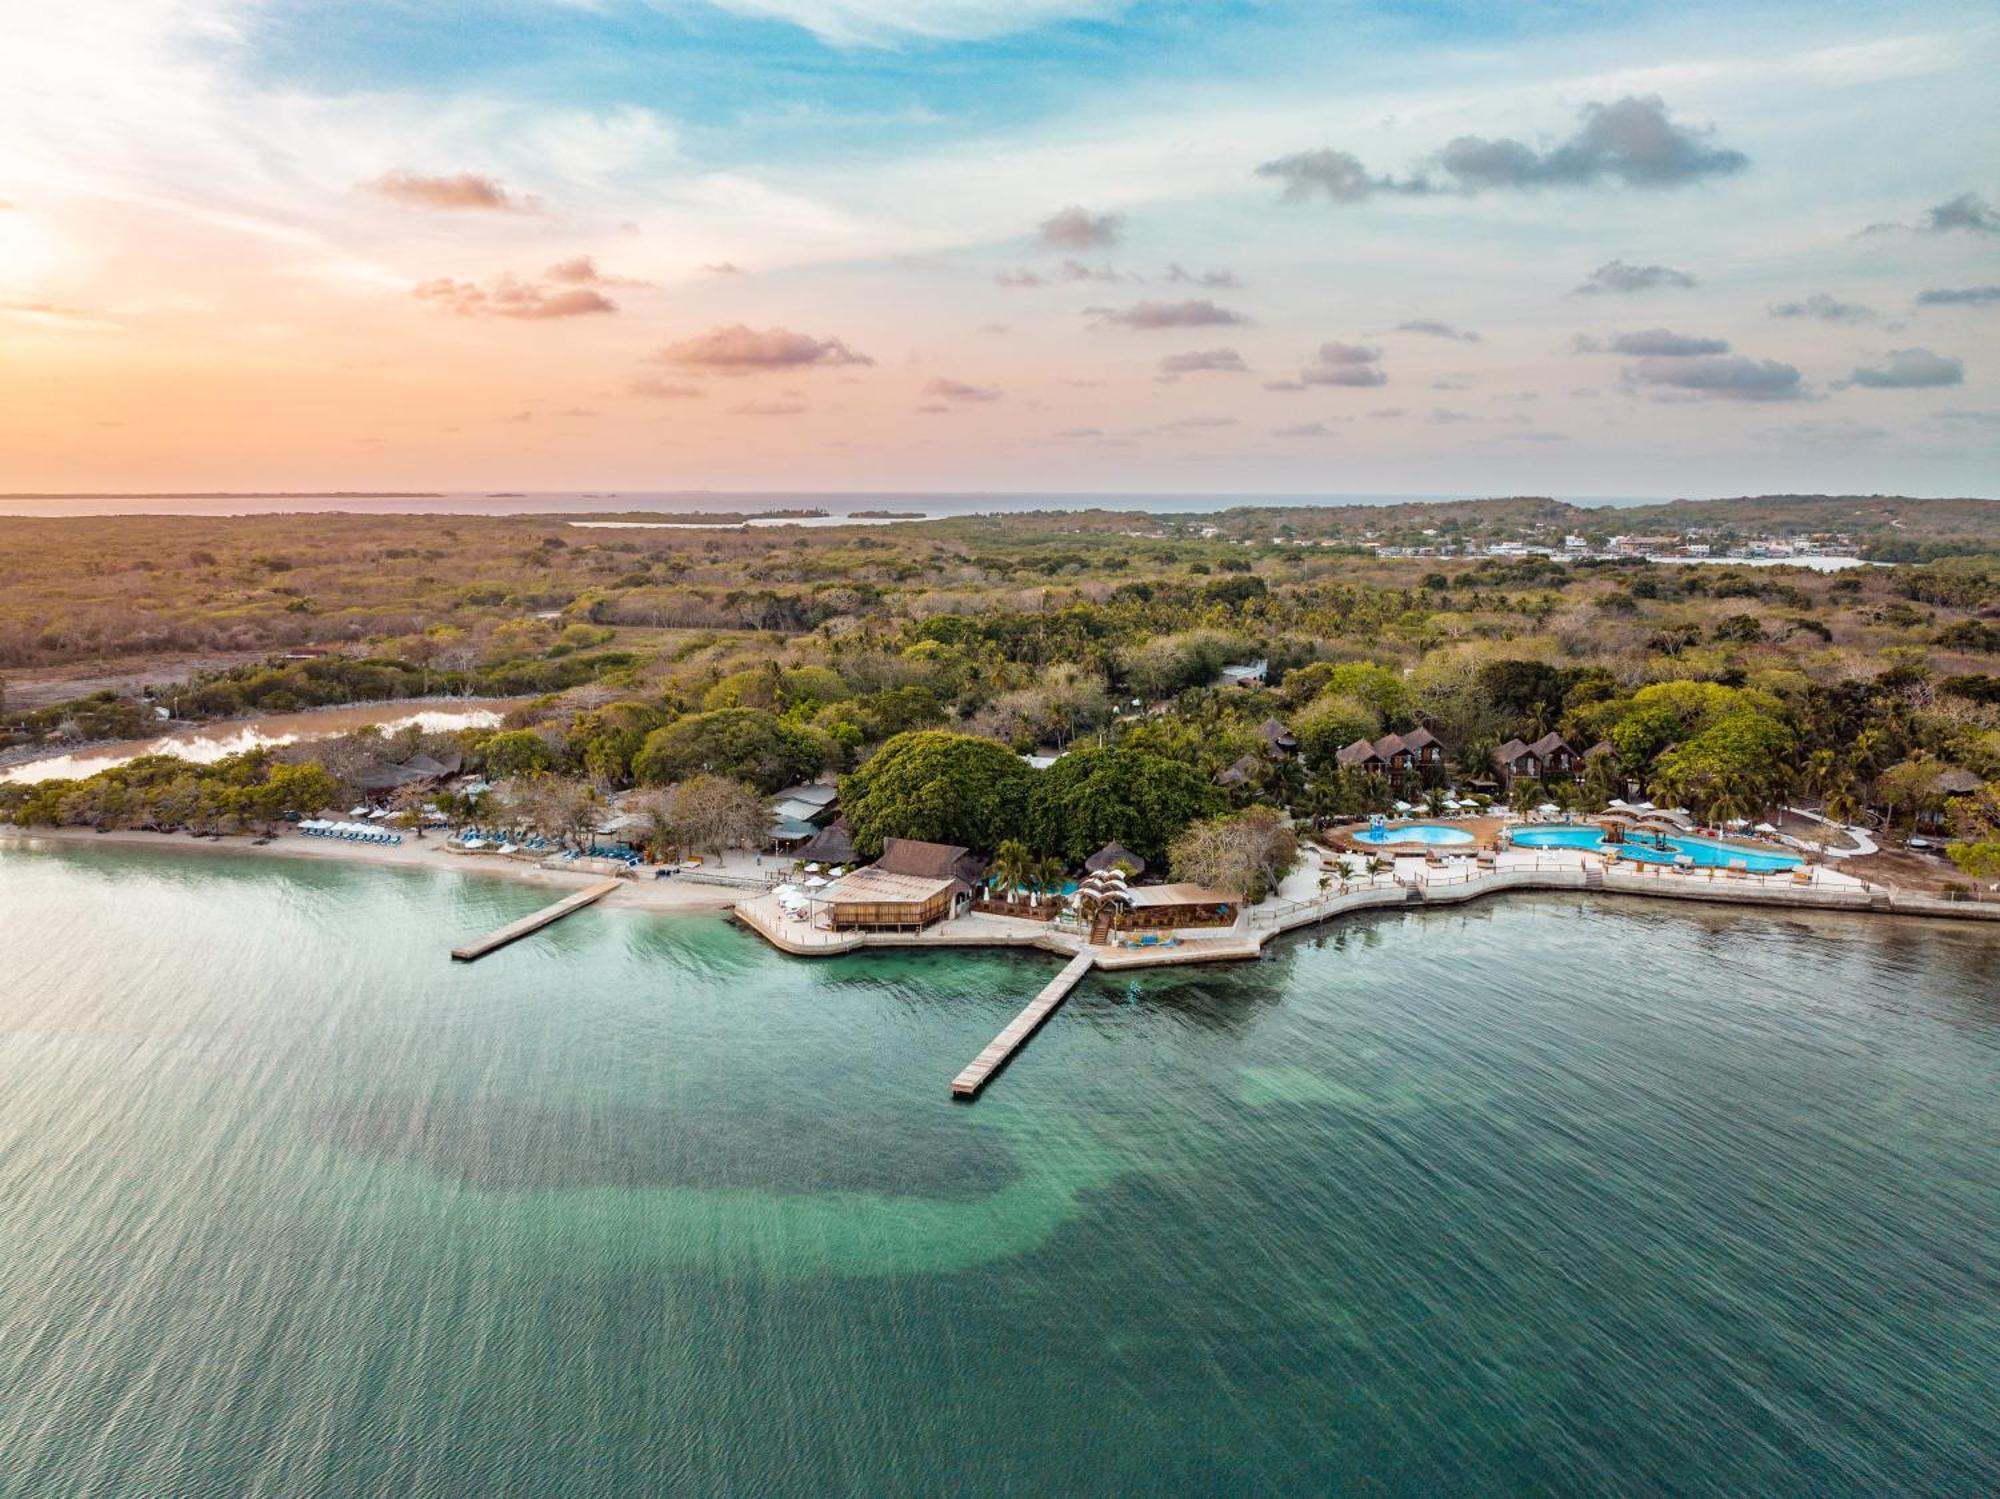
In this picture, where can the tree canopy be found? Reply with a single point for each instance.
(938, 786)
(1091, 797)
(744, 744)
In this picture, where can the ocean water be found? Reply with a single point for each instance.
(1547, 1195)
(683, 502)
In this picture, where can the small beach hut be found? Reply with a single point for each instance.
(1111, 856)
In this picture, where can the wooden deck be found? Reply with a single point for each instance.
(982, 1067)
(515, 930)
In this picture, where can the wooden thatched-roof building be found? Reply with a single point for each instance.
(1111, 856)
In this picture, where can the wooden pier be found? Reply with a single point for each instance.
(548, 915)
(982, 1067)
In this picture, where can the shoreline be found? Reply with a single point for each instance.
(647, 894)
(23, 755)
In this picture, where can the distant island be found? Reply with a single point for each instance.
(886, 515)
(225, 494)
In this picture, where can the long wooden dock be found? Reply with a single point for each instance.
(515, 930)
(982, 1067)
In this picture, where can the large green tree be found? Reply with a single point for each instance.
(1091, 797)
(939, 786)
(743, 744)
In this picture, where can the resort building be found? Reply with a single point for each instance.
(832, 844)
(1165, 907)
(1277, 738)
(911, 886)
(1246, 674)
(1114, 856)
(1398, 757)
(1550, 755)
(1242, 773)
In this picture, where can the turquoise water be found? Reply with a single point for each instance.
(1416, 832)
(1705, 852)
(1428, 1203)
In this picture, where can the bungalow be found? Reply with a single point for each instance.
(832, 844)
(1550, 755)
(1246, 673)
(911, 886)
(1396, 756)
(1242, 773)
(1277, 738)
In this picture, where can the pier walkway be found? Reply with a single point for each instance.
(547, 916)
(982, 1067)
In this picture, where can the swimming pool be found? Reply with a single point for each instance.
(1706, 852)
(1418, 832)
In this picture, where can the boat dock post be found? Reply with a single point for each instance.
(548, 915)
(982, 1067)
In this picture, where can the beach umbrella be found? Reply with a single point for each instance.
(1737, 822)
(1548, 807)
(1402, 806)
(812, 869)
(1765, 827)
(813, 882)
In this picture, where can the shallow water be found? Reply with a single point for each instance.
(1544, 1194)
(214, 741)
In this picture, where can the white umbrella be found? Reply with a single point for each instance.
(1737, 822)
(1765, 827)
(1402, 806)
(812, 869)
(813, 882)
(1546, 808)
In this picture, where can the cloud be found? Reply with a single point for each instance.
(739, 350)
(959, 390)
(1630, 141)
(722, 268)
(1968, 211)
(1911, 369)
(1019, 276)
(1732, 377)
(1434, 329)
(1218, 279)
(932, 410)
(769, 408)
(1304, 429)
(460, 192)
(1619, 277)
(1825, 309)
(1071, 434)
(1960, 296)
(511, 298)
(1337, 174)
(1285, 385)
(1976, 418)
(1197, 423)
(1069, 270)
(1076, 228)
(1657, 341)
(1444, 416)
(1197, 313)
(1345, 364)
(654, 388)
(1222, 361)
(581, 270)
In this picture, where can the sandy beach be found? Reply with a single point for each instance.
(643, 893)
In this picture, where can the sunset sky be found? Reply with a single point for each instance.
(1253, 245)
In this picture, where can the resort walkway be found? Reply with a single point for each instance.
(1003, 1046)
(479, 947)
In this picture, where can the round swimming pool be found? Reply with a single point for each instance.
(1416, 832)
(1705, 853)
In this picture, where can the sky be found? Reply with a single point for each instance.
(1567, 247)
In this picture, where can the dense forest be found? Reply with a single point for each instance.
(770, 655)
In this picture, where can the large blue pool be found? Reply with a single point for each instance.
(1417, 832)
(1706, 852)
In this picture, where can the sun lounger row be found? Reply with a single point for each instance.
(348, 832)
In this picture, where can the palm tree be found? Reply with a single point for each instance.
(1011, 862)
(1045, 875)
